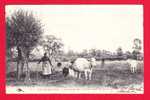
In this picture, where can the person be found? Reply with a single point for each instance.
(58, 68)
(46, 66)
(65, 71)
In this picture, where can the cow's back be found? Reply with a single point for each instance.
(81, 64)
(132, 62)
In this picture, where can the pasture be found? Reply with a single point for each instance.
(114, 74)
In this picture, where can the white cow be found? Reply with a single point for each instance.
(83, 65)
(133, 65)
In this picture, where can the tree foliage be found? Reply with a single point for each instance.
(119, 51)
(52, 45)
(23, 29)
(136, 47)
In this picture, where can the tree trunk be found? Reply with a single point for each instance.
(25, 57)
(27, 78)
(19, 64)
(21, 61)
(18, 70)
(22, 66)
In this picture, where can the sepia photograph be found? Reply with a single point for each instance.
(74, 49)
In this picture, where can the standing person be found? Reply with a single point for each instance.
(46, 66)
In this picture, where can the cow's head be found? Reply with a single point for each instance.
(93, 62)
(70, 64)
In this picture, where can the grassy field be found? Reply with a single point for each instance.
(114, 74)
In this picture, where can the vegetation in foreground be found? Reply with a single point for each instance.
(112, 74)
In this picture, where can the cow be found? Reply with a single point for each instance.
(83, 65)
(133, 64)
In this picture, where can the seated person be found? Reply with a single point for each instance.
(58, 68)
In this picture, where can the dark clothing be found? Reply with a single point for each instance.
(44, 59)
(65, 71)
(19, 53)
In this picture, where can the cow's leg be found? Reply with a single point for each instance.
(90, 75)
(79, 75)
(132, 70)
(86, 75)
(75, 74)
(136, 68)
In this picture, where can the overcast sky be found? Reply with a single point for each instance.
(90, 26)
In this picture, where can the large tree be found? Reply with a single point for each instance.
(23, 32)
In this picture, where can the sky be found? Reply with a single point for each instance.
(104, 27)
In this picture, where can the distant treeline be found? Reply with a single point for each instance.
(97, 54)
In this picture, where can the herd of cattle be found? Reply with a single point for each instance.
(82, 65)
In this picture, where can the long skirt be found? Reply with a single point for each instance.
(46, 68)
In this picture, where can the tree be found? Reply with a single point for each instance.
(70, 53)
(119, 51)
(92, 52)
(23, 32)
(84, 53)
(98, 53)
(128, 54)
(137, 44)
(136, 47)
(52, 45)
